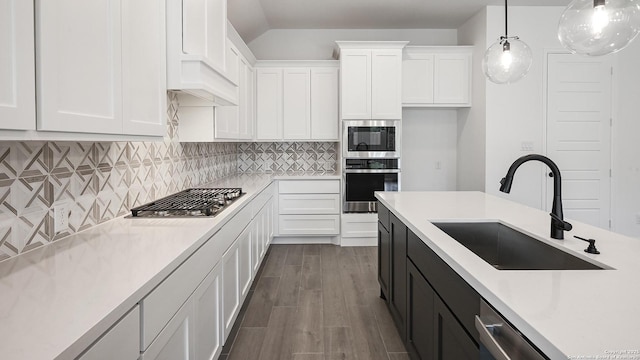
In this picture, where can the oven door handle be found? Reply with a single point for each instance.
(371, 171)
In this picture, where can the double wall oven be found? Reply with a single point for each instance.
(371, 153)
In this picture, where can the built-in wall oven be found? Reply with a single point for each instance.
(363, 177)
(371, 139)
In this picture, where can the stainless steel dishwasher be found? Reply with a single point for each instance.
(499, 340)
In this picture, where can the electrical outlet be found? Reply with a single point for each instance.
(438, 165)
(526, 146)
(60, 218)
(638, 218)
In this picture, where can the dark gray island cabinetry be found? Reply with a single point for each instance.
(433, 308)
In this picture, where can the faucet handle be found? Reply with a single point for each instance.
(560, 223)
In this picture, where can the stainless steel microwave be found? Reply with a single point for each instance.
(371, 139)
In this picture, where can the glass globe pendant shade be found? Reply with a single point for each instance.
(507, 61)
(599, 27)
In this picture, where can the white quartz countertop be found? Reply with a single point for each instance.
(57, 299)
(568, 314)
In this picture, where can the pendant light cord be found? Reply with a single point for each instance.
(506, 34)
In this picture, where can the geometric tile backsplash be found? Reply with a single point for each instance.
(99, 181)
(288, 157)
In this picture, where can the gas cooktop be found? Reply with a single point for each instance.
(196, 202)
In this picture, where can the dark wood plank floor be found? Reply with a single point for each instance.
(315, 302)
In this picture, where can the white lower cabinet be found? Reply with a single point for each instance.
(175, 341)
(122, 341)
(246, 270)
(207, 321)
(309, 207)
(230, 286)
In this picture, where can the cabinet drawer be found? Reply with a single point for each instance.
(261, 200)
(309, 186)
(309, 224)
(122, 341)
(309, 204)
(359, 225)
(165, 300)
(459, 296)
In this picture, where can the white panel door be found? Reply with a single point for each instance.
(256, 243)
(324, 104)
(579, 134)
(452, 81)
(17, 66)
(144, 67)
(246, 100)
(355, 68)
(386, 84)
(230, 287)
(204, 30)
(269, 104)
(79, 70)
(245, 273)
(417, 79)
(175, 342)
(207, 320)
(246, 128)
(227, 122)
(296, 108)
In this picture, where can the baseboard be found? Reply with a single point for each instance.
(306, 240)
(359, 241)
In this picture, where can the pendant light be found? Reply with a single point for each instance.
(507, 60)
(599, 27)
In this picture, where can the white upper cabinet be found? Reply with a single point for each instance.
(371, 79)
(101, 68)
(324, 103)
(17, 66)
(296, 108)
(196, 50)
(436, 76)
(268, 103)
(144, 80)
(297, 101)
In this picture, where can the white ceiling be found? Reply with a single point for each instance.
(251, 18)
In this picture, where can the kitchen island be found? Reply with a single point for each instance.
(585, 314)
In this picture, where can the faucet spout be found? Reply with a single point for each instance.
(558, 225)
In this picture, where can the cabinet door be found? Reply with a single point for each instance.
(296, 109)
(230, 286)
(266, 215)
(355, 86)
(270, 221)
(245, 273)
(175, 342)
(324, 104)
(417, 79)
(246, 97)
(227, 122)
(17, 66)
(386, 84)
(452, 81)
(79, 66)
(204, 30)
(398, 293)
(452, 341)
(144, 67)
(256, 244)
(207, 320)
(420, 330)
(122, 341)
(384, 260)
(232, 63)
(269, 104)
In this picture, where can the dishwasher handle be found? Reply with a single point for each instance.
(489, 342)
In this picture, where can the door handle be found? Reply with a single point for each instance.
(487, 339)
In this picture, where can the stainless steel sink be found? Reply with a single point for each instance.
(508, 249)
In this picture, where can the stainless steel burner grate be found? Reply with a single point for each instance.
(189, 202)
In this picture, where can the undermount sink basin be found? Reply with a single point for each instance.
(507, 249)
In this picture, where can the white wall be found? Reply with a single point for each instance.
(428, 140)
(319, 44)
(626, 142)
(515, 112)
(471, 157)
